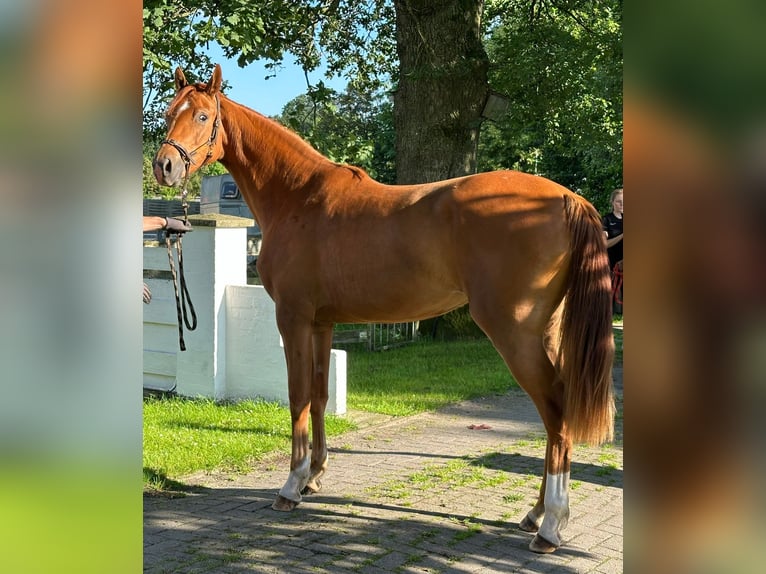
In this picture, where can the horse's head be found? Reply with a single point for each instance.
(193, 138)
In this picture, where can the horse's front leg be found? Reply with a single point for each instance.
(319, 395)
(296, 334)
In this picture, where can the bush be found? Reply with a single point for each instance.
(455, 325)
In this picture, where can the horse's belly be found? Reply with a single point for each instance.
(391, 306)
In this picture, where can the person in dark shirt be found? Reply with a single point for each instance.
(612, 223)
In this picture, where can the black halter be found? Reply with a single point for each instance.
(187, 157)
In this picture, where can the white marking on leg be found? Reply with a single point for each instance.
(297, 479)
(556, 507)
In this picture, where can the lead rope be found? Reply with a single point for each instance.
(183, 300)
(184, 304)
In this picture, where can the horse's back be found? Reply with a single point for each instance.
(509, 218)
(507, 194)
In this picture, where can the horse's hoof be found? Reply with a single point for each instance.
(284, 504)
(541, 545)
(528, 525)
(312, 487)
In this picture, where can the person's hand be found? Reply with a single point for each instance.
(147, 294)
(176, 225)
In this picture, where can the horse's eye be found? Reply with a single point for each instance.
(203, 117)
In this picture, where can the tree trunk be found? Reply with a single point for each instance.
(441, 93)
(442, 88)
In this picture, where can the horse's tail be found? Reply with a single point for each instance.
(586, 350)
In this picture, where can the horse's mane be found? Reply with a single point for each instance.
(357, 172)
(295, 140)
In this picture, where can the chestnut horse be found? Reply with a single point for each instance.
(526, 254)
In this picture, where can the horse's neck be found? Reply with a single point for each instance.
(267, 161)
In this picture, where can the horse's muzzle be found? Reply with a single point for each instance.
(168, 170)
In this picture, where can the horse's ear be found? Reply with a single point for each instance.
(180, 79)
(214, 85)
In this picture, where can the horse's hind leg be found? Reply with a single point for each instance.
(535, 373)
(525, 354)
(322, 341)
(531, 522)
(550, 514)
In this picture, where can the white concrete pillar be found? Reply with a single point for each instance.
(214, 255)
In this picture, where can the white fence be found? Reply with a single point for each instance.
(236, 351)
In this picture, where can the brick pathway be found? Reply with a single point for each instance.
(417, 494)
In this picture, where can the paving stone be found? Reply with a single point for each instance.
(355, 525)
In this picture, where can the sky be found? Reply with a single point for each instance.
(248, 86)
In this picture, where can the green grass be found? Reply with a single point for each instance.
(463, 471)
(472, 528)
(425, 376)
(182, 436)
